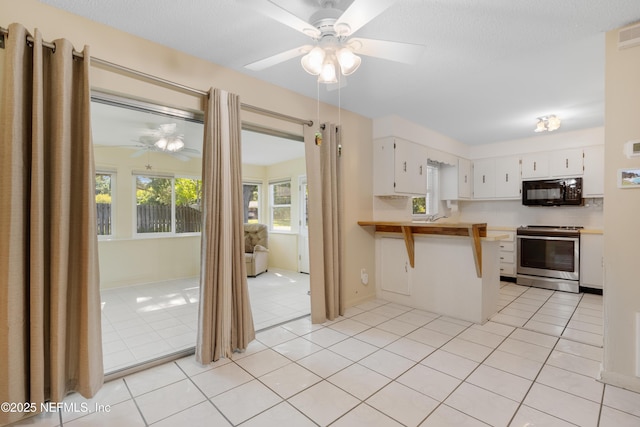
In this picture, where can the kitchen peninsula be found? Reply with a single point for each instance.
(451, 269)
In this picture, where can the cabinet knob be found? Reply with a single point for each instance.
(404, 166)
(420, 169)
(534, 165)
(506, 177)
(566, 163)
(465, 179)
(483, 179)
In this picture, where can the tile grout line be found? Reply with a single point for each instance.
(207, 398)
(135, 402)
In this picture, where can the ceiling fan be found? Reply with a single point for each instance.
(165, 139)
(331, 30)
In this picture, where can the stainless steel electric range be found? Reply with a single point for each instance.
(549, 257)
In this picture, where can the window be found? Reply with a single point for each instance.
(168, 205)
(428, 205)
(251, 199)
(104, 203)
(188, 205)
(280, 198)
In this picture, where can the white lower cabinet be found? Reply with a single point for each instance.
(395, 270)
(508, 255)
(591, 260)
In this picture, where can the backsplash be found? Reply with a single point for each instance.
(508, 213)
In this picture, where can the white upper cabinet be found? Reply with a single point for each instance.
(566, 162)
(552, 163)
(593, 179)
(535, 165)
(508, 177)
(399, 168)
(496, 178)
(455, 181)
(484, 179)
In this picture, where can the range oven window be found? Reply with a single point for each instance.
(556, 255)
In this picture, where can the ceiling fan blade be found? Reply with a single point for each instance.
(360, 13)
(407, 53)
(191, 151)
(179, 156)
(278, 58)
(283, 16)
(139, 153)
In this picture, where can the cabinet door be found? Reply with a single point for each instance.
(383, 167)
(591, 257)
(484, 179)
(455, 180)
(409, 167)
(508, 177)
(394, 266)
(464, 179)
(566, 162)
(535, 165)
(593, 179)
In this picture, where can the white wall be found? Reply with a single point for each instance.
(127, 259)
(539, 142)
(511, 213)
(622, 277)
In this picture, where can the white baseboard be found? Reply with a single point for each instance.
(623, 381)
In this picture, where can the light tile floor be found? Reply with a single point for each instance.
(141, 323)
(384, 364)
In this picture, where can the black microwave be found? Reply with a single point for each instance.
(552, 192)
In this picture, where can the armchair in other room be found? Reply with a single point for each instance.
(256, 244)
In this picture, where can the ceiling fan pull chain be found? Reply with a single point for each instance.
(318, 133)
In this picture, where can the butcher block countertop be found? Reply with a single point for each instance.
(475, 231)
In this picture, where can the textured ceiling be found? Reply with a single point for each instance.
(488, 68)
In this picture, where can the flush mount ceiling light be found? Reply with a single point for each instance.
(547, 123)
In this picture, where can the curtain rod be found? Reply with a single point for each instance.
(168, 83)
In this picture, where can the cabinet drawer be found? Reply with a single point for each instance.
(507, 246)
(507, 269)
(507, 257)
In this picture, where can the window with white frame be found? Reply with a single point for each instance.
(280, 205)
(429, 203)
(251, 200)
(104, 203)
(167, 205)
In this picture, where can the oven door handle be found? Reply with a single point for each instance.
(570, 239)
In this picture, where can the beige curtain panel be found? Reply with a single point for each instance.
(50, 334)
(324, 170)
(225, 323)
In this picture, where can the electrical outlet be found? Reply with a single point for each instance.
(364, 277)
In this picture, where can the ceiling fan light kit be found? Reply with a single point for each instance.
(173, 144)
(323, 62)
